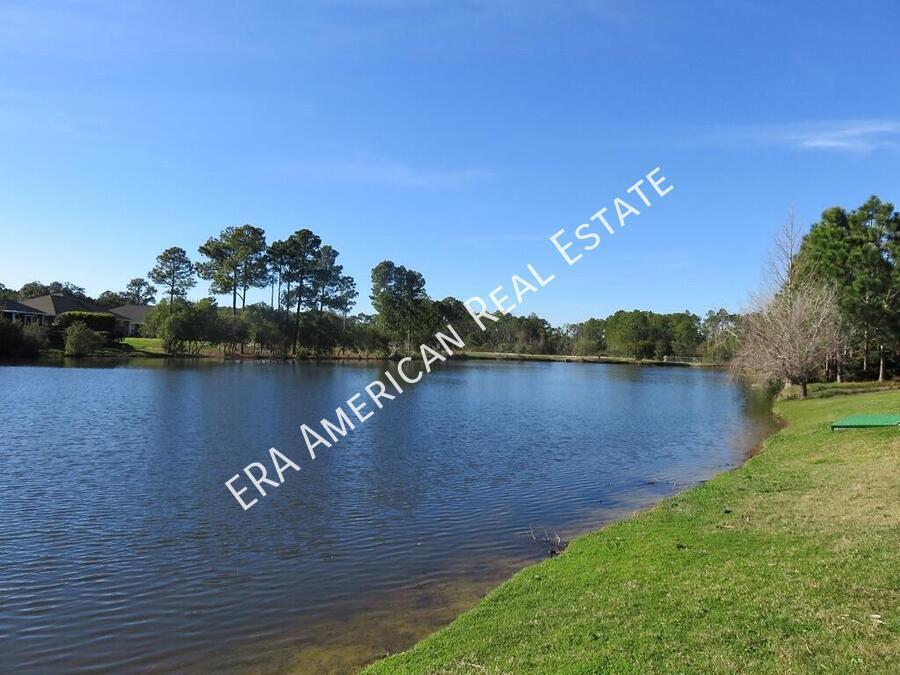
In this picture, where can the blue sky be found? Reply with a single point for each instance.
(451, 137)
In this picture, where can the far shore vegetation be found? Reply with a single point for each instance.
(788, 564)
(830, 311)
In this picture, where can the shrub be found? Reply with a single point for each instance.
(81, 340)
(10, 338)
(17, 340)
(787, 392)
(96, 321)
(171, 344)
(34, 339)
(189, 326)
(154, 322)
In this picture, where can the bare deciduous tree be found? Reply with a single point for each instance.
(793, 327)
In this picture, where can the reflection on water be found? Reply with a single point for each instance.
(121, 549)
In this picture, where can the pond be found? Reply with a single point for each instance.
(121, 549)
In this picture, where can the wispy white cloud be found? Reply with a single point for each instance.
(854, 136)
(859, 136)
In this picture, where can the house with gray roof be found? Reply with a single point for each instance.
(17, 311)
(129, 318)
(56, 303)
(134, 315)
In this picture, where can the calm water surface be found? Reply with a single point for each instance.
(120, 548)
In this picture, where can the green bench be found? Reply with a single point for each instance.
(866, 421)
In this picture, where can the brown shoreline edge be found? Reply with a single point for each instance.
(56, 356)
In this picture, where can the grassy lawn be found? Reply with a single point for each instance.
(145, 345)
(141, 346)
(789, 564)
(825, 389)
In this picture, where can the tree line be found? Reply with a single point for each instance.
(308, 292)
(138, 291)
(830, 306)
(310, 300)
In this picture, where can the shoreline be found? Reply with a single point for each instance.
(56, 356)
(619, 360)
(630, 571)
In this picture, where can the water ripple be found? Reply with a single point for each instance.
(120, 548)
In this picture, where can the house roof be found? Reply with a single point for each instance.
(134, 313)
(13, 306)
(54, 305)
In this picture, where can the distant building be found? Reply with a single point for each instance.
(45, 308)
(16, 311)
(134, 314)
(55, 304)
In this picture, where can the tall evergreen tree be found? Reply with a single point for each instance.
(277, 256)
(235, 262)
(175, 272)
(856, 254)
(398, 294)
(327, 279)
(346, 297)
(301, 264)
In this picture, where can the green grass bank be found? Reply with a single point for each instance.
(789, 564)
